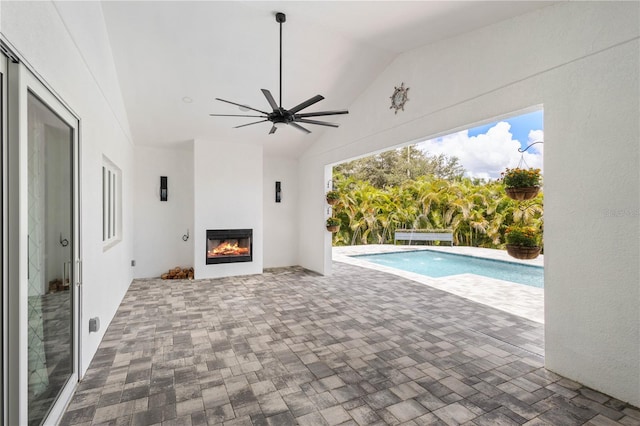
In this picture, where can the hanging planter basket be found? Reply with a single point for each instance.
(332, 197)
(332, 224)
(332, 201)
(522, 193)
(522, 252)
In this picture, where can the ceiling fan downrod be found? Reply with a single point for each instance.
(281, 18)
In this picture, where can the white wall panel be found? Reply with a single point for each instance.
(160, 225)
(580, 61)
(280, 219)
(65, 51)
(228, 194)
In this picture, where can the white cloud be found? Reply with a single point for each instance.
(535, 136)
(487, 155)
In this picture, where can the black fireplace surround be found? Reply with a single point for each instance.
(229, 246)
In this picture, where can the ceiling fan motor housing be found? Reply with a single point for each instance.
(280, 116)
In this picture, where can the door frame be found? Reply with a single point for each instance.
(22, 79)
(3, 233)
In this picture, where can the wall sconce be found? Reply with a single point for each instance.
(163, 188)
(278, 192)
(94, 324)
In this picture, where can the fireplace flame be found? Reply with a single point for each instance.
(227, 249)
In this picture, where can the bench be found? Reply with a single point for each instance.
(418, 235)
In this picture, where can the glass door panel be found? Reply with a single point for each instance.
(50, 295)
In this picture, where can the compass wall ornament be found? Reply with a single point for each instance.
(399, 98)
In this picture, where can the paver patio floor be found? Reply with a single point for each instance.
(293, 347)
(519, 299)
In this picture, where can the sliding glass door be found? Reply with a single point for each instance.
(43, 255)
(50, 298)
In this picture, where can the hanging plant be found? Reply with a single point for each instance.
(521, 184)
(333, 224)
(523, 242)
(332, 197)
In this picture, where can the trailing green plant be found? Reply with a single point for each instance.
(333, 221)
(521, 178)
(525, 236)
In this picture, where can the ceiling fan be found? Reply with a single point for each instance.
(280, 116)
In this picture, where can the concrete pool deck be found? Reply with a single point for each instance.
(518, 299)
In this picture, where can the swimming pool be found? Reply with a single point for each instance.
(437, 264)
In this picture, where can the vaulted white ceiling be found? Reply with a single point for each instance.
(165, 52)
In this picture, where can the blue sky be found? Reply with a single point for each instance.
(487, 150)
(521, 125)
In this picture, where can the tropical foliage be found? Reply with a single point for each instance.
(477, 212)
(521, 178)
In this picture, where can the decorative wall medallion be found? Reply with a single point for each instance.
(399, 98)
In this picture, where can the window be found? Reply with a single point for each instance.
(111, 203)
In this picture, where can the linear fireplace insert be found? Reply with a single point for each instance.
(229, 245)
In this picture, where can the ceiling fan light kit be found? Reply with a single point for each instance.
(280, 117)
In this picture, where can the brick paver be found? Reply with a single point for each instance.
(293, 347)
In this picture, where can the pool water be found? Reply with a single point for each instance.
(437, 264)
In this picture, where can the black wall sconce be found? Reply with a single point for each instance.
(163, 188)
(278, 192)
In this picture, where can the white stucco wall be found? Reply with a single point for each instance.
(160, 225)
(67, 45)
(228, 194)
(280, 219)
(580, 61)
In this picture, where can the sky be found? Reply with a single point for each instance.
(486, 151)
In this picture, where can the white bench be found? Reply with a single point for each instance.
(416, 235)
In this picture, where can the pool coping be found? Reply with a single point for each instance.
(518, 299)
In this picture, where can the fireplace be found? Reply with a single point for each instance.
(229, 246)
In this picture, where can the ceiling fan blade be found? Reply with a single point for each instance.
(272, 102)
(250, 124)
(319, 123)
(273, 129)
(319, 113)
(307, 103)
(237, 115)
(299, 127)
(242, 106)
